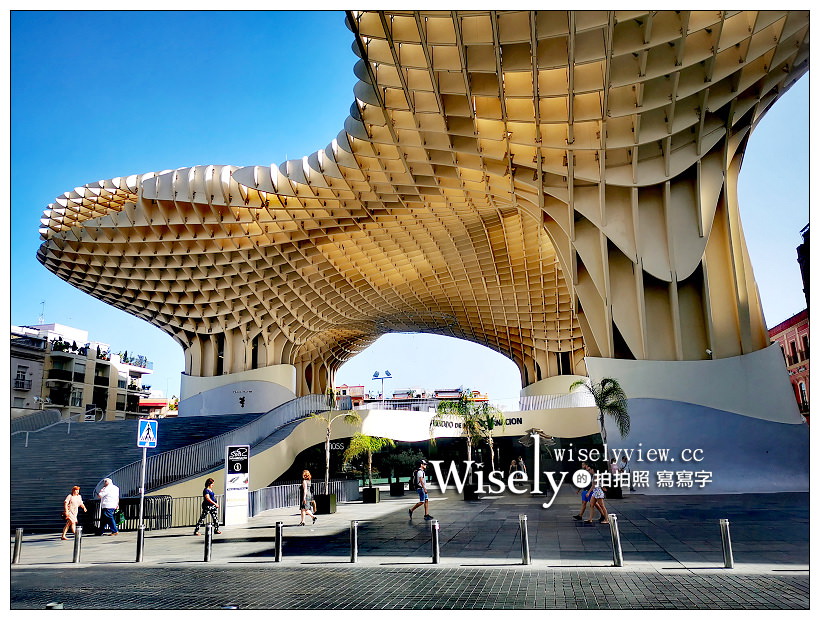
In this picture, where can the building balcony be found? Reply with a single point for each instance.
(138, 391)
(802, 355)
(21, 384)
(101, 381)
(60, 374)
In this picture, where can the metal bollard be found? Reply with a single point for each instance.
(525, 539)
(209, 538)
(140, 541)
(278, 546)
(354, 541)
(18, 545)
(726, 540)
(78, 544)
(434, 530)
(617, 554)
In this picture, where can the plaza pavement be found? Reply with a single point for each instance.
(672, 558)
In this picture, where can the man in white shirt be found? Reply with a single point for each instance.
(109, 501)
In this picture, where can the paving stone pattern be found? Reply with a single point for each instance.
(671, 548)
(325, 587)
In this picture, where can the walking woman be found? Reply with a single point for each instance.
(209, 507)
(71, 507)
(596, 502)
(306, 498)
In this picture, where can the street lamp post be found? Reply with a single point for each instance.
(376, 377)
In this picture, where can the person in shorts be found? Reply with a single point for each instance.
(421, 489)
(586, 495)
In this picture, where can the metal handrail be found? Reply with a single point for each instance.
(61, 421)
(175, 465)
(35, 421)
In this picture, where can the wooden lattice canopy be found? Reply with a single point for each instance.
(551, 184)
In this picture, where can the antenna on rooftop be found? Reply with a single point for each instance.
(42, 318)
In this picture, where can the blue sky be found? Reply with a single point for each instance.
(97, 95)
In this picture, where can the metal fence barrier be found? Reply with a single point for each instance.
(285, 495)
(157, 513)
(164, 511)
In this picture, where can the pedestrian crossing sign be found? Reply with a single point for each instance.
(147, 434)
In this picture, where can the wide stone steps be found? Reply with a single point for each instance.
(43, 473)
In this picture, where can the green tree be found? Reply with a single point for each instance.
(488, 418)
(477, 420)
(610, 399)
(398, 462)
(328, 418)
(365, 444)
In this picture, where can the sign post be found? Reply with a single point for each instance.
(237, 481)
(146, 438)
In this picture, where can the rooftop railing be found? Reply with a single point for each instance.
(580, 398)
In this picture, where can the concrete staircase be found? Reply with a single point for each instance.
(43, 473)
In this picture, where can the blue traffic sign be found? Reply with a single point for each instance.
(147, 434)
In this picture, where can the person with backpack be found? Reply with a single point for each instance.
(418, 483)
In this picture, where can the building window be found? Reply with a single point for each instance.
(804, 398)
(19, 401)
(793, 356)
(805, 347)
(79, 371)
(76, 396)
(20, 381)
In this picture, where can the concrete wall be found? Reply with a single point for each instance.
(262, 389)
(739, 411)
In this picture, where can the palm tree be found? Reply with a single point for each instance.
(610, 399)
(365, 444)
(488, 418)
(477, 419)
(328, 417)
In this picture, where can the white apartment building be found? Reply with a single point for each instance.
(58, 367)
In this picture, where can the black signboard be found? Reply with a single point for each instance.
(238, 459)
